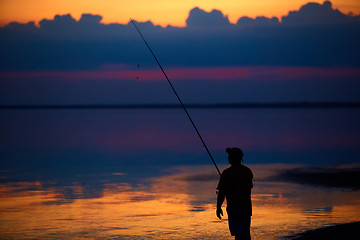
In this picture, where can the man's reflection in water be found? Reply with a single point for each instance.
(235, 184)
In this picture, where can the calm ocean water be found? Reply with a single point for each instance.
(143, 173)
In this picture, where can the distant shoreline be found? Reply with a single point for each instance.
(191, 105)
(348, 231)
(346, 178)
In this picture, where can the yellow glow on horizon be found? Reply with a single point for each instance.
(158, 11)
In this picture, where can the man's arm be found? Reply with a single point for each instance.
(220, 200)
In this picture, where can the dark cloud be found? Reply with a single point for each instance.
(90, 19)
(200, 18)
(19, 27)
(315, 13)
(208, 40)
(60, 23)
(258, 21)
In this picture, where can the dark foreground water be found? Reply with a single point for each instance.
(143, 173)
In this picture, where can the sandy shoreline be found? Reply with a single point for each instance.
(348, 231)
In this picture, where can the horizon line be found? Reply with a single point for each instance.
(303, 104)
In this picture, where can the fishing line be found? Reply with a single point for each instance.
(183, 106)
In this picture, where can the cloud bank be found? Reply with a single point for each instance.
(315, 35)
(311, 54)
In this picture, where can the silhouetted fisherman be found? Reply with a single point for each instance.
(235, 184)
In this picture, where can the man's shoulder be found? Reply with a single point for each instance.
(236, 169)
(246, 168)
(227, 171)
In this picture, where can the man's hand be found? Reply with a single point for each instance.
(219, 212)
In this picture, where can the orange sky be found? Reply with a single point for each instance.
(161, 12)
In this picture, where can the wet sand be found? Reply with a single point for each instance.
(349, 231)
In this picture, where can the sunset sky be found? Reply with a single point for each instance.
(99, 172)
(240, 52)
(160, 12)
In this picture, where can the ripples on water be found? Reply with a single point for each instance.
(168, 207)
(143, 174)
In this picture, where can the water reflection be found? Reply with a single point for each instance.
(117, 174)
(180, 205)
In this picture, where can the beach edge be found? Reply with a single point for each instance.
(347, 231)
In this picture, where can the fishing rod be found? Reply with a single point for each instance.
(183, 106)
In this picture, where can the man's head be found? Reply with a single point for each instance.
(235, 155)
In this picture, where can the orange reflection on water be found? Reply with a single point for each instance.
(177, 206)
(122, 211)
